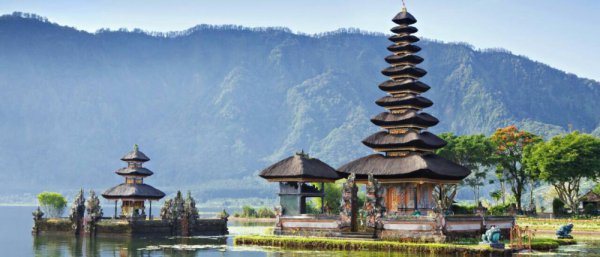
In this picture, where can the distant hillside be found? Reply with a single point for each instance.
(213, 105)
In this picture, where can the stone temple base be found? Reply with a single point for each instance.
(565, 237)
(493, 245)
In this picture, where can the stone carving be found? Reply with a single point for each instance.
(491, 238)
(94, 213)
(443, 196)
(349, 200)
(38, 215)
(374, 206)
(278, 212)
(181, 213)
(165, 211)
(564, 232)
(77, 212)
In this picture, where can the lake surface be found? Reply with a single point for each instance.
(16, 240)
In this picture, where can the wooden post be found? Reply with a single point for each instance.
(415, 198)
(150, 212)
(115, 209)
(323, 198)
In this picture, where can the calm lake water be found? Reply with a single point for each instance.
(16, 240)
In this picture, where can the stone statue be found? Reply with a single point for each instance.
(77, 212)
(182, 214)
(37, 216)
(443, 196)
(564, 232)
(348, 201)
(374, 207)
(491, 236)
(165, 211)
(94, 212)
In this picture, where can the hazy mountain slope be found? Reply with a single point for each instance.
(213, 105)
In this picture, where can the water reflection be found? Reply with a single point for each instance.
(66, 245)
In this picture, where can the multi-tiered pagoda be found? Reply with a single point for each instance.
(134, 193)
(406, 166)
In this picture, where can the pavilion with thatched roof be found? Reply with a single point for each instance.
(134, 193)
(296, 176)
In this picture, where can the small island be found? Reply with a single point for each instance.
(178, 217)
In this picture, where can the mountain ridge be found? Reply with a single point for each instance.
(217, 105)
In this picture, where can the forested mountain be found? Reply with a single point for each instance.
(212, 105)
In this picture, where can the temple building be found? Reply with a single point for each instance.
(297, 176)
(408, 189)
(406, 165)
(133, 194)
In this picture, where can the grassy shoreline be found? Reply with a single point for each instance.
(320, 243)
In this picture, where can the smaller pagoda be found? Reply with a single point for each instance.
(134, 193)
(297, 176)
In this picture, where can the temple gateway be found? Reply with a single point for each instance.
(409, 189)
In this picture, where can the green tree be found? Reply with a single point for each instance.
(510, 144)
(52, 203)
(474, 152)
(564, 162)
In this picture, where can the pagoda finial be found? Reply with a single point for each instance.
(403, 6)
(136, 147)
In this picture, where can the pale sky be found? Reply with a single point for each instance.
(562, 33)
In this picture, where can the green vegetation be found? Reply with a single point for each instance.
(510, 145)
(580, 224)
(558, 207)
(53, 204)
(564, 162)
(472, 151)
(344, 244)
(461, 246)
(250, 212)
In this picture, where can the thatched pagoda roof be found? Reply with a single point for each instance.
(421, 119)
(407, 58)
(404, 18)
(135, 155)
(408, 100)
(300, 167)
(591, 196)
(404, 85)
(412, 139)
(426, 166)
(404, 71)
(138, 171)
(133, 191)
(401, 29)
(404, 48)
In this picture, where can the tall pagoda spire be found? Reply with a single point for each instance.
(406, 147)
(404, 120)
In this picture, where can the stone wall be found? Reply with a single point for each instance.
(208, 227)
(53, 225)
(419, 229)
(308, 225)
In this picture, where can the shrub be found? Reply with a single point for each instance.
(53, 204)
(248, 212)
(463, 209)
(558, 207)
(499, 209)
(589, 209)
(265, 212)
